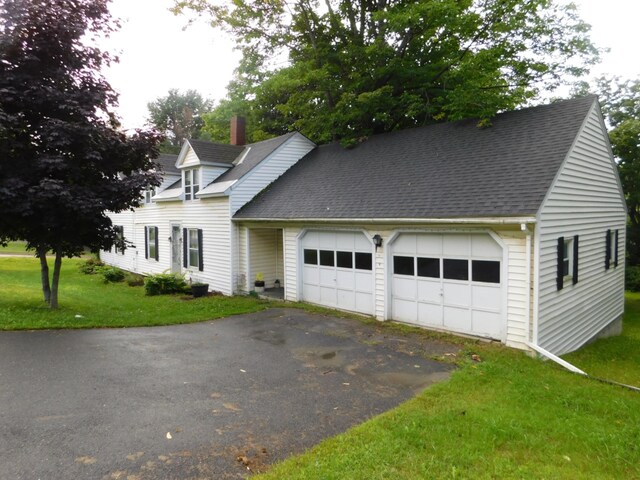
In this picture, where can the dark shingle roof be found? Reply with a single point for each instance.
(168, 163)
(257, 152)
(445, 170)
(215, 152)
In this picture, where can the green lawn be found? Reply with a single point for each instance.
(509, 416)
(99, 304)
(615, 358)
(15, 248)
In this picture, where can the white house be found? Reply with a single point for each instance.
(514, 232)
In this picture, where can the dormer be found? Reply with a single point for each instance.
(201, 162)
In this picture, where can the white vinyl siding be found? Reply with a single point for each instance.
(269, 170)
(586, 201)
(210, 215)
(265, 245)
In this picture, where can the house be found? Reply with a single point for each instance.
(514, 232)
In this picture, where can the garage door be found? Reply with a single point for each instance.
(337, 270)
(448, 281)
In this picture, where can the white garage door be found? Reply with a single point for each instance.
(337, 270)
(448, 281)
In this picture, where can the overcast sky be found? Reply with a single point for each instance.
(157, 53)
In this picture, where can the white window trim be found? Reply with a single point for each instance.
(151, 243)
(191, 248)
(193, 177)
(568, 256)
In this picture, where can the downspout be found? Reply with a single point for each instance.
(527, 232)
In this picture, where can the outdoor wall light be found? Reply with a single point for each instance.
(377, 241)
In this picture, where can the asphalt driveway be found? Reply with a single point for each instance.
(217, 399)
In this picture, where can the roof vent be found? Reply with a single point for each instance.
(237, 130)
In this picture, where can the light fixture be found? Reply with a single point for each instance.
(377, 241)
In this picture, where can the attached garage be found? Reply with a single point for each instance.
(449, 281)
(337, 269)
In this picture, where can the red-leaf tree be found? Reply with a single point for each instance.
(64, 162)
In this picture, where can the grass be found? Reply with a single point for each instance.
(615, 358)
(97, 303)
(15, 248)
(508, 416)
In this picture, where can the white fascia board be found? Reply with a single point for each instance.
(403, 221)
(216, 189)
(183, 153)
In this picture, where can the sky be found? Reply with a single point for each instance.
(157, 52)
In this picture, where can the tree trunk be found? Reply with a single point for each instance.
(44, 275)
(55, 280)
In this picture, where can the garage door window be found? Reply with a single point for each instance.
(485, 271)
(363, 261)
(344, 259)
(311, 257)
(454, 269)
(403, 266)
(429, 267)
(326, 258)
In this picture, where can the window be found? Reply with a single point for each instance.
(453, 269)
(485, 271)
(364, 261)
(403, 265)
(567, 257)
(429, 267)
(344, 259)
(148, 193)
(191, 183)
(310, 257)
(192, 248)
(119, 244)
(567, 260)
(151, 242)
(326, 258)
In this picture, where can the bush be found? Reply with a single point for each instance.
(632, 279)
(89, 266)
(134, 280)
(164, 283)
(111, 274)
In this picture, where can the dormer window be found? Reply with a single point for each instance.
(191, 183)
(148, 193)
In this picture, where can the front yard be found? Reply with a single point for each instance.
(505, 416)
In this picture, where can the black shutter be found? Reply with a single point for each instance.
(575, 259)
(156, 243)
(560, 272)
(185, 248)
(607, 256)
(146, 242)
(200, 257)
(615, 253)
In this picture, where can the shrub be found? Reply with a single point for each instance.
(164, 283)
(134, 280)
(632, 279)
(111, 274)
(89, 266)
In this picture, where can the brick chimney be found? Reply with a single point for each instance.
(237, 130)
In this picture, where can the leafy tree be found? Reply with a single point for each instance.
(357, 67)
(621, 106)
(63, 160)
(179, 116)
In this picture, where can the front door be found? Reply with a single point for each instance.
(176, 249)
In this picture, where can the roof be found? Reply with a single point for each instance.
(172, 192)
(439, 171)
(253, 154)
(168, 163)
(215, 152)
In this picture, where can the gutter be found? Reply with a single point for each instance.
(399, 221)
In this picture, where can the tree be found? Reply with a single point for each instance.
(620, 102)
(63, 160)
(179, 116)
(355, 68)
